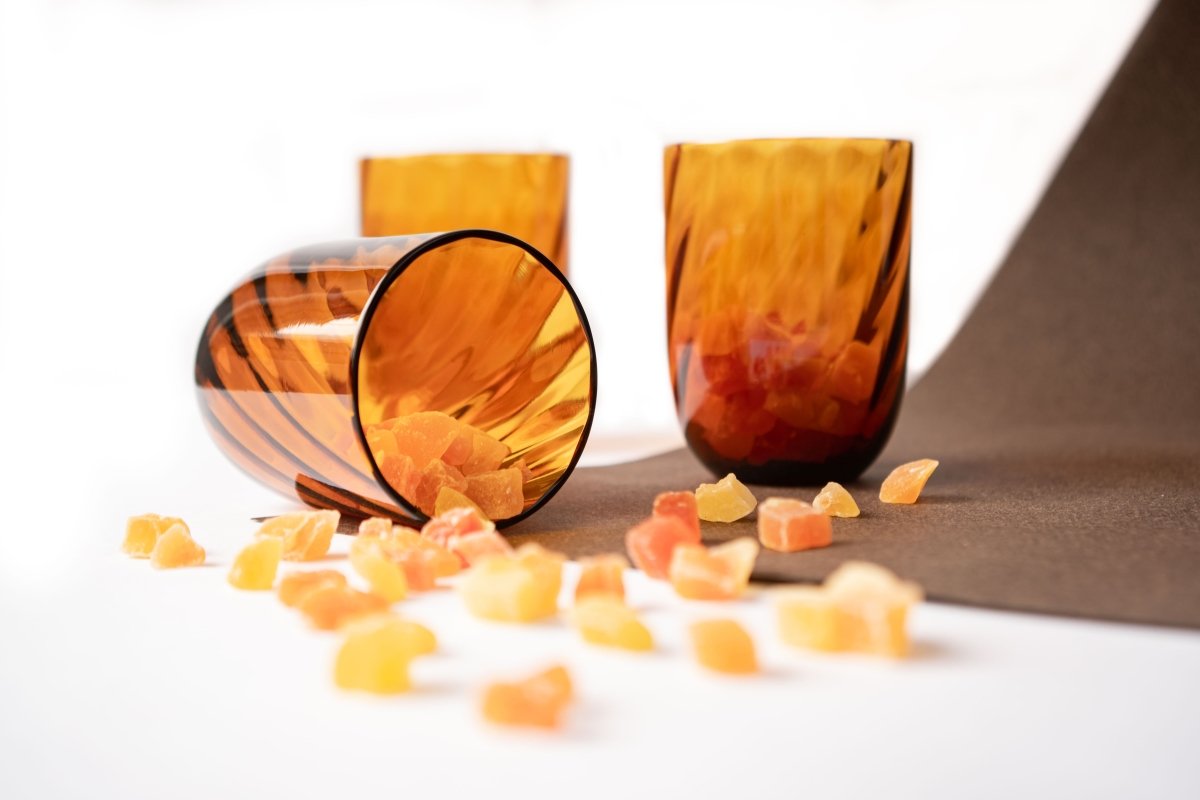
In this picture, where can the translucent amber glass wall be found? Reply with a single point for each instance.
(787, 302)
(468, 323)
(522, 194)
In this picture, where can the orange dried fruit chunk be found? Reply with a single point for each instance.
(375, 526)
(681, 505)
(385, 577)
(306, 535)
(835, 501)
(852, 374)
(606, 620)
(424, 436)
(521, 587)
(861, 607)
(436, 476)
(474, 547)
(455, 522)
(175, 548)
(724, 646)
(487, 453)
(422, 560)
(602, 574)
(651, 542)
(717, 573)
(401, 474)
(295, 586)
(449, 499)
(538, 701)
(498, 493)
(376, 653)
(906, 481)
(789, 525)
(726, 500)
(329, 607)
(523, 467)
(255, 566)
(142, 532)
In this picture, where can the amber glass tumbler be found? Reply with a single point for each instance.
(787, 302)
(523, 194)
(318, 348)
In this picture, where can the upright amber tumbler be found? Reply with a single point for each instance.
(787, 302)
(523, 194)
(369, 375)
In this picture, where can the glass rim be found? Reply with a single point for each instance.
(770, 140)
(433, 242)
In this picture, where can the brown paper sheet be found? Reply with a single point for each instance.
(1066, 413)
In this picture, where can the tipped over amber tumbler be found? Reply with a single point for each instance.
(787, 302)
(522, 194)
(392, 376)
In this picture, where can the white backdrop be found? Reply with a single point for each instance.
(152, 152)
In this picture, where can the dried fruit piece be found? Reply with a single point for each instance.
(523, 467)
(424, 436)
(606, 620)
(726, 500)
(861, 607)
(835, 501)
(789, 525)
(142, 532)
(455, 522)
(175, 548)
(651, 542)
(436, 476)
(375, 526)
(449, 499)
(723, 645)
(681, 505)
(538, 701)
(377, 651)
(385, 577)
(474, 547)
(602, 574)
(852, 374)
(306, 535)
(718, 573)
(295, 586)
(498, 493)
(422, 560)
(329, 607)
(255, 566)
(519, 588)
(487, 453)
(905, 482)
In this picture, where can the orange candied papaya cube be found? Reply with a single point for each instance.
(376, 653)
(538, 701)
(651, 542)
(717, 573)
(142, 532)
(789, 525)
(487, 453)
(727, 500)
(455, 522)
(375, 526)
(385, 577)
(852, 375)
(522, 587)
(602, 574)
(401, 474)
(436, 476)
(835, 501)
(424, 436)
(474, 547)
(294, 586)
(450, 499)
(306, 535)
(906, 481)
(606, 620)
(523, 467)
(330, 607)
(499, 493)
(681, 505)
(255, 566)
(723, 645)
(176, 548)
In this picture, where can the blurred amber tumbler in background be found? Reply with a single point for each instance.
(787, 302)
(319, 350)
(522, 194)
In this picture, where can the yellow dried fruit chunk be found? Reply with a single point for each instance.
(175, 548)
(606, 620)
(521, 587)
(255, 566)
(142, 532)
(906, 481)
(375, 526)
(385, 577)
(724, 646)
(448, 499)
(294, 587)
(835, 501)
(306, 535)
(499, 493)
(726, 500)
(377, 651)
